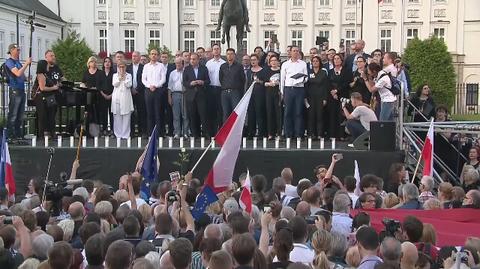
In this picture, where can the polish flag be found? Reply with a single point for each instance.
(6, 171)
(245, 200)
(427, 152)
(229, 137)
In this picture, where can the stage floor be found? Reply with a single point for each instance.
(108, 164)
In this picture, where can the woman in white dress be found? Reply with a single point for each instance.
(122, 102)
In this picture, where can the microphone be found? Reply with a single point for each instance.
(39, 25)
(51, 150)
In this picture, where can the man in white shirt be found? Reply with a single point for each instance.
(153, 77)
(215, 89)
(358, 122)
(175, 91)
(293, 92)
(138, 93)
(383, 84)
(341, 221)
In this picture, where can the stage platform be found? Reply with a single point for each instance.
(109, 163)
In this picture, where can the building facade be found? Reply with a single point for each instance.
(188, 24)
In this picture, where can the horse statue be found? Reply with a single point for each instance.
(233, 12)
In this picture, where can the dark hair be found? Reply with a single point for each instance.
(367, 237)
(42, 219)
(8, 234)
(442, 107)
(102, 194)
(413, 227)
(143, 247)
(92, 217)
(47, 51)
(180, 252)
(201, 48)
(163, 223)
(89, 185)
(298, 225)
(391, 55)
(350, 183)
(393, 172)
(377, 50)
(131, 226)
(209, 245)
(231, 49)
(258, 47)
(87, 230)
(274, 56)
(339, 55)
(418, 93)
(302, 186)
(243, 248)
(364, 197)
(238, 222)
(362, 218)
(60, 255)
(259, 182)
(369, 180)
(104, 60)
(216, 44)
(335, 51)
(119, 52)
(42, 67)
(374, 67)
(94, 249)
(119, 255)
(283, 244)
(254, 55)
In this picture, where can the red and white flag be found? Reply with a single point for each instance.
(245, 200)
(6, 172)
(427, 152)
(229, 137)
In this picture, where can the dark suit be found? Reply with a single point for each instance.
(350, 59)
(166, 112)
(196, 99)
(140, 115)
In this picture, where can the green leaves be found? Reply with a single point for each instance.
(72, 54)
(431, 63)
(161, 50)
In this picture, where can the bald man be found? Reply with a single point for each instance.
(287, 175)
(409, 256)
(77, 212)
(303, 209)
(213, 231)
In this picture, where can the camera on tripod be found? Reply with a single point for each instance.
(391, 228)
(54, 193)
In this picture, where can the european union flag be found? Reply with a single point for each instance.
(205, 198)
(149, 169)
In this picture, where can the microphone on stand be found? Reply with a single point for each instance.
(51, 150)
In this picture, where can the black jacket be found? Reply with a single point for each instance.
(189, 76)
(140, 86)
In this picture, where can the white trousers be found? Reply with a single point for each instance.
(121, 125)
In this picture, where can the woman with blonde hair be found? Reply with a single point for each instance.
(391, 200)
(122, 102)
(91, 80)
(429, 235)
(321, 242)
(445, 194)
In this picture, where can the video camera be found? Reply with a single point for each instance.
(54, 193)
(391, 228)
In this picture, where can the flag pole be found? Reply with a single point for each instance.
(201, 157)
(416, 168)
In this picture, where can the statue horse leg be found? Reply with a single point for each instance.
(240, 29)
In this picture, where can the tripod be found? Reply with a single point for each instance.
(33, 24)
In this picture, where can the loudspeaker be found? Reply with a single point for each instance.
(382, 135)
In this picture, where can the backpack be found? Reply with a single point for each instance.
(396, 87)
(5, 73)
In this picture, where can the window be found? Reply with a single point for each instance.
(472, 95)
(102, 37)
(129, 40)
(268, 34)
(386, 40)
(269, 3)
(297, 3)
(324, 33)
(39, 48)
(297, 38)
(13, 38)
(245, 43)
(414, 1)
(102, 2)
(387, 1)
(154, 38)
(215, 37)
(188, 3)
(412, 33)
(349, 38)
(23, 52)
(189, 40)
(324, 3)
(2, 44)
(128, 2)
(47, 44)
(439, 33)
(351, 2)
(215, 3)
(154, 2)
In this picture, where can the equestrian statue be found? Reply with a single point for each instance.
(233, 12)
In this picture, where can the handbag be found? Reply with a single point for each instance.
(50, 100)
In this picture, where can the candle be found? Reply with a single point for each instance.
(287, 145)
(255, 142)
(129, 142)
(309, 143)
(107, 141)
(333, 143)
(264, 142)
(139, 142)
(95, 142)
(59, 141)
(119, 142)
(244, 142)
(34, 141)
(322, 143)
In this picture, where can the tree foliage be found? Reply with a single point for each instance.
(72, 54)
(161, 50)
(431, 63)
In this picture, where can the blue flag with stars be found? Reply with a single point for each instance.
(149, 169)
(204, 199)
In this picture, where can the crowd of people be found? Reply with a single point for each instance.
(323, 223)
(328, 95)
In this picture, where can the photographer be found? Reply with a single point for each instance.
(358, 122)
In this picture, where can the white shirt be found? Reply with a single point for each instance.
(134, 75)
(354, 197)
(122, 102)
(289, 69)
(291, 190)
(301, 253)
(154, 75)
(365, 115)
(175, 81)
(140, 202)
(213, 66)
(383, 84)
(341, 223)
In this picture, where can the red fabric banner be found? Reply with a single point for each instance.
(453, 226)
